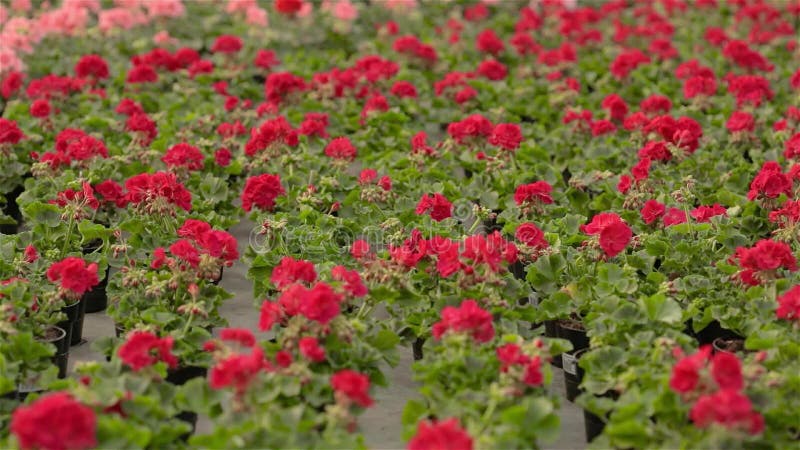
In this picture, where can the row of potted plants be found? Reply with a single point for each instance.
(607, 188)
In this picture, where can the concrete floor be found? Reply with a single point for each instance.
(381, 424)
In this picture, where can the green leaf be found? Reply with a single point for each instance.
(660, 308)
(45, 213)
(91, 231)
(384, 340)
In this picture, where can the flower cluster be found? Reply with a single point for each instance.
(469, 319)
(143, 349)
(715, 384)
(763, 261)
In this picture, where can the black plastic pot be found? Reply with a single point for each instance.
(491, 225)
(573, 374)
(179, 377)
(58, 337)
(713, 331)
(76, 337)
(687, 329)
(592, 425)
(97, 299)
(551, 330)
(10, 396)
(416, 347)
(182, 374)
(574, 332)
(518, 270)
(11, 209)
(190, 418)
(72, 311)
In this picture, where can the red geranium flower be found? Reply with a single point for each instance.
(237, 370)
(507, 136)
(145, 190)
(487, 41)
(404, 89)
(762, 261)
(227, 44)
(353, 285)
(341, 148)
(314, 124)
(10, 132)
(705, 213)
(652, 211)
(74, 275)
(616, 107)
(728, 408)
(353, 386)
(93, 66)
(492, 70)
(437, 205)
(740, 121)
(789, 305)
(310, 348)
(320, 303)
(530, 235)
(613, 233)
(770, 182)
(265, 59)
(143, 126)
(288, 6)
(674, 216)
(445, 434)
(40, 108)
(261, 191)
(241, 336)
(290, 271)
(143, 349)
(184, 155)
(222, 157)
(111, 192)
(142, 74)
(467, 318)
(538, 192)
(34, 427)
(686, 372)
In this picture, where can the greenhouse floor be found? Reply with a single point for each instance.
(381, 424)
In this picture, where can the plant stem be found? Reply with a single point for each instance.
(487, 415)
(67, 237)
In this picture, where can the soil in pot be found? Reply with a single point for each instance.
(58, 337)
(573, 331)
(712, 331)
(728, 345)
(219, 278)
